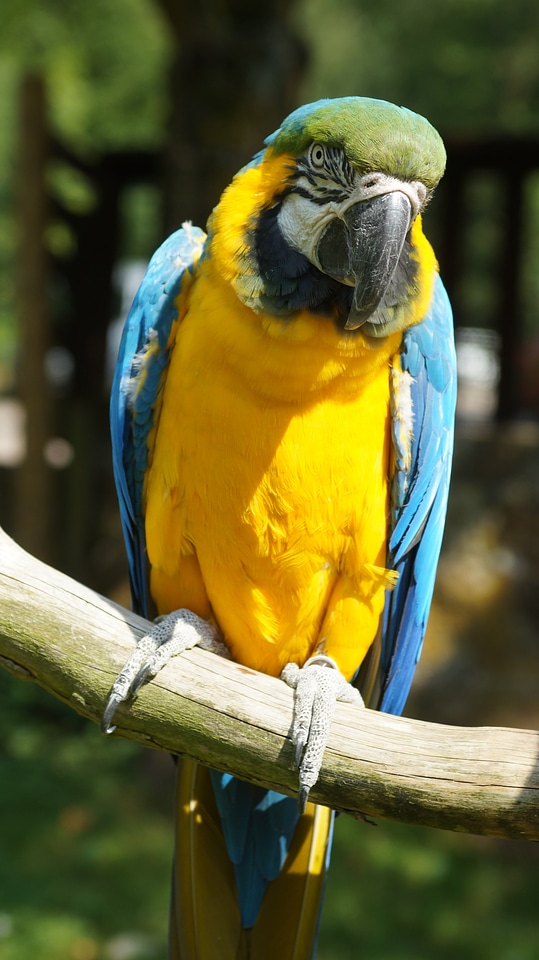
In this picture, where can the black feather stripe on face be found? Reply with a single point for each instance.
(332, 181)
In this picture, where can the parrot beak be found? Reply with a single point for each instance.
(372, 234)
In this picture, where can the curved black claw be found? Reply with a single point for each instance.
(108, 713)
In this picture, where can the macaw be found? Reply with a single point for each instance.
(282, 425)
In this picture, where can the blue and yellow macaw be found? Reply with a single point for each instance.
(282, 424)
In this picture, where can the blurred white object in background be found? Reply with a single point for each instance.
(478, 366)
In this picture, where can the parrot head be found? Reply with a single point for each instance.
(335, 220)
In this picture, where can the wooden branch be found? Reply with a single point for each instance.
(73, 642)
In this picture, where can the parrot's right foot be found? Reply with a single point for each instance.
(317, 685)
(173, 634)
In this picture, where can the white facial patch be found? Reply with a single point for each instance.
(302, 221)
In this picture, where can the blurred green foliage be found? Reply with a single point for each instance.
(401, 893)
(470, 66)
(105, 66)
(85, 838)
(85, 848)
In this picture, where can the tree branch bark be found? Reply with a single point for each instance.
(74, 642)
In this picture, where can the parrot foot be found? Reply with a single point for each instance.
(173, 634)
(317, 685)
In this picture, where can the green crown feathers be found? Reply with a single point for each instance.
(374, 134)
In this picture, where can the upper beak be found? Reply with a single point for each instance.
(364, 248)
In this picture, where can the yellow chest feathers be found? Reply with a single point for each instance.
(267, 492)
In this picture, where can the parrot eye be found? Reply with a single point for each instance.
(317, 155)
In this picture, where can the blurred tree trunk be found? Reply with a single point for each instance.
(509, 318)
(89, 281)
(234, 78)
(33, 489)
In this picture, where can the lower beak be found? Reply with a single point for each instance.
(364, 249)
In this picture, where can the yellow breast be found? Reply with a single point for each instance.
(266, 501)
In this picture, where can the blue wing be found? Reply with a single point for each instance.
(139, 376)
(419, 495)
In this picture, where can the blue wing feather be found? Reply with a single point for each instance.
(419, 497)
(142, 361)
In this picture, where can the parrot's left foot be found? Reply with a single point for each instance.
(173, 634)
(317, 685)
